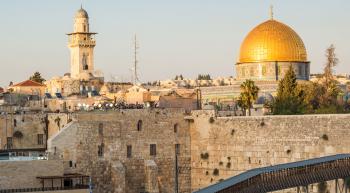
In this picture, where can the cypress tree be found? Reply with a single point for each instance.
(290, 99)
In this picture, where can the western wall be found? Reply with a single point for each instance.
(97, 144)
(222, 147)
(211, 148)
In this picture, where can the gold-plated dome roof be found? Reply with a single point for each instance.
(272, 41)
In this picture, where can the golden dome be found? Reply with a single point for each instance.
(272, 41)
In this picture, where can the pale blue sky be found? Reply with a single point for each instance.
(176, 36)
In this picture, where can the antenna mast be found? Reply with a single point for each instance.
(136, 47)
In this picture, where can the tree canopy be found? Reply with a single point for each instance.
(204, 77)
(289, 99)
(248, 95)
(36, 77)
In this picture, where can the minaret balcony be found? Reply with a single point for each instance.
(82, 43)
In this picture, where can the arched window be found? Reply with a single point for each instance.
(85, 65)
(176, 127)
(139, 125)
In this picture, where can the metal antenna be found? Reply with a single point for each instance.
(136, 47)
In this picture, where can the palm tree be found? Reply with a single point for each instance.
(249, 93)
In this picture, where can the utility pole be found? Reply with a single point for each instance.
(176, 190)
(136, 47)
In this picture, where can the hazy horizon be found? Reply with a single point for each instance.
(188, 37)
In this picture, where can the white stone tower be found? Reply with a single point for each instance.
(81, 43)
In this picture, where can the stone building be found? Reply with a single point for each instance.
(137, 95)
(22, 131)
(28, 87)
(83, 79)
(45, 176)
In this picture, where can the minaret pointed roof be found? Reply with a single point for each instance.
(81, 13)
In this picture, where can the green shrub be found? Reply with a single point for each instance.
(204, 155)
(325, 137)
(211, 120)
(216, 172)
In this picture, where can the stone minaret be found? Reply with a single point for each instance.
(81, 44)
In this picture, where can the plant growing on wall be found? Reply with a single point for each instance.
(211, 120)
(325, 137)
(262, 123)
(221, 163)
(322, 187)
(216, 172)
(205, 155)
(58, 122)
(228, 165)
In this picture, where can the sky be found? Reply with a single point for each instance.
(187, 37)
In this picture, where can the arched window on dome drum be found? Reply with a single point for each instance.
(251, 71)
(263, 70)
(279, 69)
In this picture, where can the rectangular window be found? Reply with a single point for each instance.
(153, 150)
(128, 151)
(40, 139)
(100, 150)
(177, 149)
(300, 69)
(9, 143)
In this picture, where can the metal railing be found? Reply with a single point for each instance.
(76, 187)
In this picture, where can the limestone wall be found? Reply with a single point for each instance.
(211, 148)
(22, 174)
(66, 191)
(57, 121)
(80, 142)
(231, 145)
